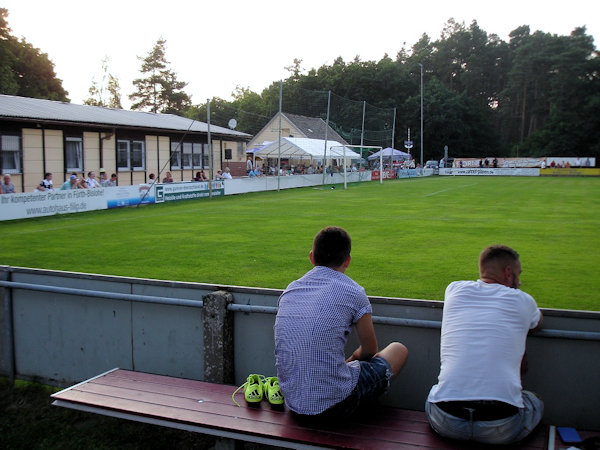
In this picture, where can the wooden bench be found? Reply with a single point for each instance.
(207, 408)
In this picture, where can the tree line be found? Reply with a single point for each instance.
(536, 95)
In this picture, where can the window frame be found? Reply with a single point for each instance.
(189, 155)
(130, 155)
(78, 155)
(17, 154)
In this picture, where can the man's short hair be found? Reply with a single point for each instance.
(331, 247)
(498, 254)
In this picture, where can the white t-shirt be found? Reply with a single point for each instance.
(92, 183)
(484, 328)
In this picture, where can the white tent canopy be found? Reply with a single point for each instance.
(305, 148)
(390, 152)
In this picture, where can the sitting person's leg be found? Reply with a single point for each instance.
(374, 379)
(395, 354)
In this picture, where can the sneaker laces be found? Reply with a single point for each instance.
(249, 380)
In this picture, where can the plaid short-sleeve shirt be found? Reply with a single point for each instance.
(316, 314)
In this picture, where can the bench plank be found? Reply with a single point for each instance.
(182, 403)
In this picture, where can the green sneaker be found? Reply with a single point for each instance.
(253, 389)
(272, 391)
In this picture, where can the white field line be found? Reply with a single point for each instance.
(449, 189)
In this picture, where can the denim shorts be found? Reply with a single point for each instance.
(503, 431)
(374, 379)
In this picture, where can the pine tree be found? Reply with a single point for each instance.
(159, 91)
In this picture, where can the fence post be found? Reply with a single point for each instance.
(218, 338)
(8, 340)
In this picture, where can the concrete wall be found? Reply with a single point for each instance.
(63, 338)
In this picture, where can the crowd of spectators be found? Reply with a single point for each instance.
(76, 182)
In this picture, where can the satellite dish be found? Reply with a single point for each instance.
(232, 123)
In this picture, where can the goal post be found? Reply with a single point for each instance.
(355, 156)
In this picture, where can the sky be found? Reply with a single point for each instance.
(218, 45)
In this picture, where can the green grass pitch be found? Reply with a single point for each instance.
(410, 237)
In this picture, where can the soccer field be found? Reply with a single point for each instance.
(411, 237)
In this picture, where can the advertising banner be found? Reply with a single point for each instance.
(532, 172)
(187, 191)
(37, 204)
(488, 163)
(388, 174)
(562, 172)
(117, 197)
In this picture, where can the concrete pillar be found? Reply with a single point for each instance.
(218, 338)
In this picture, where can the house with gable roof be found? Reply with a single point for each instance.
(295, 126)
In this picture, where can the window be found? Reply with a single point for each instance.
(188, 155)
(240, 150)
(137, 155)
(175, 155)
(197, 156)
(74, 154)
(205, 160)
(130, 155)
(11, 154)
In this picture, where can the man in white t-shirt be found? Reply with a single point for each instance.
(91, 180)
(485, 323)
(226, 175)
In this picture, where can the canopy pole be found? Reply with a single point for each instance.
(345, 182)
(381, 167)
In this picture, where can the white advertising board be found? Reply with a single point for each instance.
(531, 172)
(37, 204)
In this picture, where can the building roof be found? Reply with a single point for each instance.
(33, 109)
(313, 128)
(309, 127)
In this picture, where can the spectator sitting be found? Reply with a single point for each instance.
(151, 179)
(479, 396)
(46, 183)
(227, 174)
(219, 175)
(82, 184)
(103, 178)
(113, 180)
(200, 176)
(71, 183)
(7, 186)
(251, 174)
(315, 316)
(168, 178)
(258, 171)
(91, 180)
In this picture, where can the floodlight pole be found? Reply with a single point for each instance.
(211, 169)
(279, 140)
(325, 145)
(362, 131)
(421, 65)
(393, 132)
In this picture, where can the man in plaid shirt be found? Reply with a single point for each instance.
(316, 314)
